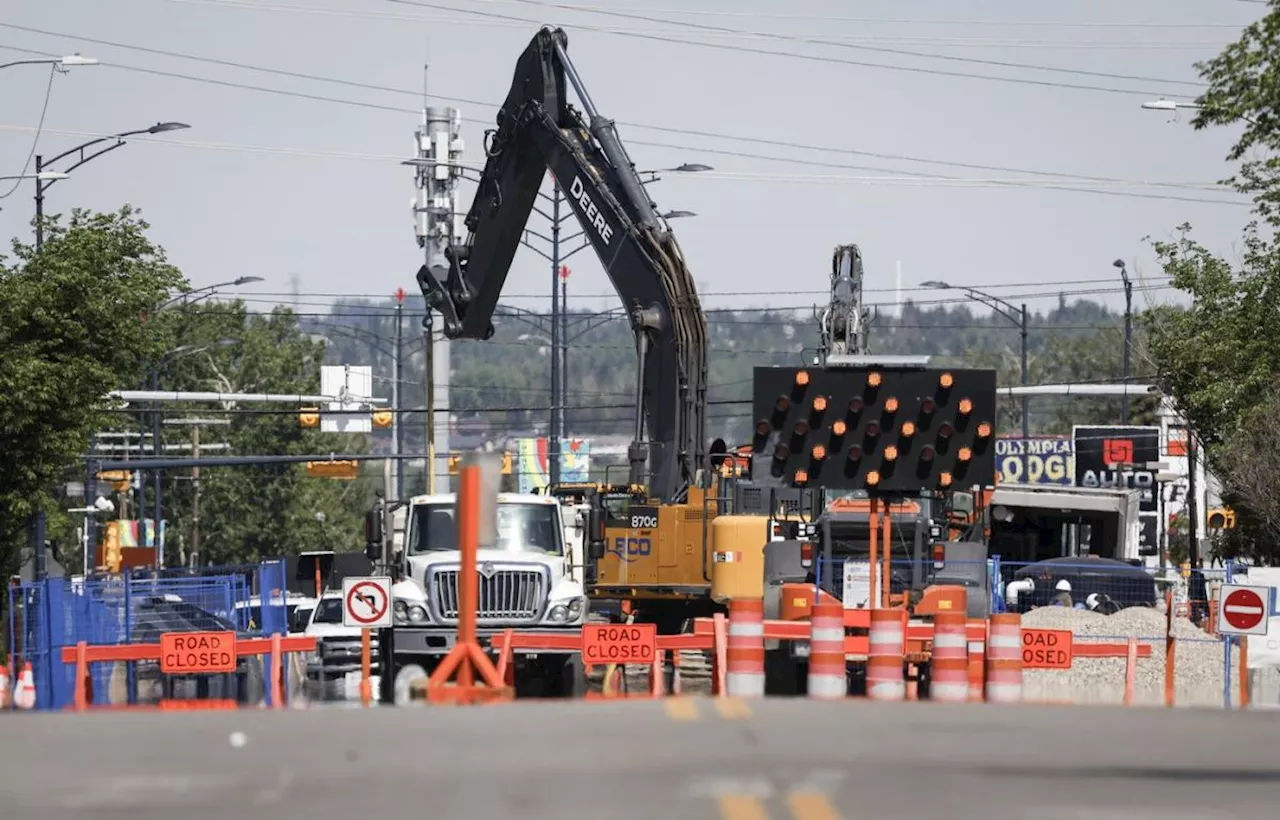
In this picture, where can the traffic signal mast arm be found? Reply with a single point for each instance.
(539, 131)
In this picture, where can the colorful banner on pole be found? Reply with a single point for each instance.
(1036, 461)
(575, 462)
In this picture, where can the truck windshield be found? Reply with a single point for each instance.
(521, 528)
(328, 611)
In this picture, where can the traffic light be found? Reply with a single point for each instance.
(455, 462)
(309, 417)
(343, 469)
(382, 418)
(1222, 518)
(888, 429)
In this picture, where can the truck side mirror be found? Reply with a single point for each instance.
(373, 534)
(595, 532)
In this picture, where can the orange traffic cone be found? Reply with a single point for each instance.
(4, 686)
(24, 693)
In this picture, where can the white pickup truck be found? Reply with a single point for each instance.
(529, 580)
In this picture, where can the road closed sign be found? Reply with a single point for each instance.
(619, 643)
(1046, 648)
(197, 653)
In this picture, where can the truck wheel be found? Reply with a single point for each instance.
(405, 677)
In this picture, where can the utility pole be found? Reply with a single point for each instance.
(564, 347)
(438, 224)
(1193, 511)
(553, 428)
(39, 204)
(431, 404)
(397, 373)
(195, 497)
(1026, 412)
(1128, 334)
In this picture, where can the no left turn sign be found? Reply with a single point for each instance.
(1243, 610)
(366, 602)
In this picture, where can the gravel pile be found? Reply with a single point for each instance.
(1198, 672)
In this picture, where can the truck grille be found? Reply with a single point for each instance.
(506, 596)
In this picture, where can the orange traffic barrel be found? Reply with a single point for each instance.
(1004, 658)
(949, 678)
(887, 639)
(745, 659)
(827, 679)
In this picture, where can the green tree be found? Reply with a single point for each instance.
(69, 334)
(247, 513)
(1221, 355)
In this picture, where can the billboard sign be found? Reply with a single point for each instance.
(535, 475)
(1100, 449)
(1036, 460)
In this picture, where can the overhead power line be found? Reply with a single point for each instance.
(256, 5)
(829, 60)
(669, 146)
(793, 38)
(1034, 276)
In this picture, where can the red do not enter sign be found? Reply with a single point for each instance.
(1046, 648)
(1244, 609)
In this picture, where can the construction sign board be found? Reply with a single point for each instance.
(1243, 610)
(366, 602)
(1046, 648)
(619, 643)
(197, 653)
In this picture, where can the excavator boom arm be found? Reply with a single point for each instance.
(537, 130)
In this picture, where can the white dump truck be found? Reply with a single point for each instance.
(529, 580)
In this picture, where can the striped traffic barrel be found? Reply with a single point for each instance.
(745, 658)
(887, 639)
(1004, 658)
(949, 672)
(826, 652)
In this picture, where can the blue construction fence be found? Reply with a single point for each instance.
(135, 607)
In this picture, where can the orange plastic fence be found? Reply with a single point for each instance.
(83, 654)
(570, 640)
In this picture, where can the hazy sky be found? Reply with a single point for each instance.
(280, 185)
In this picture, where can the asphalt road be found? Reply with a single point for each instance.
(681, 758)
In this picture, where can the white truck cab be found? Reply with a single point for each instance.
(527, 581)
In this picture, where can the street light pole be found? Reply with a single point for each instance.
(1015, 315)
(1128, 334)
(564, 347)
(553, 436)
(1026, 410)
(57, 62)
(43, 182)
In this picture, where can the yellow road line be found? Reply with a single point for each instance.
(741, 807)
(732, 708)
(811, 806)
(684, 709)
